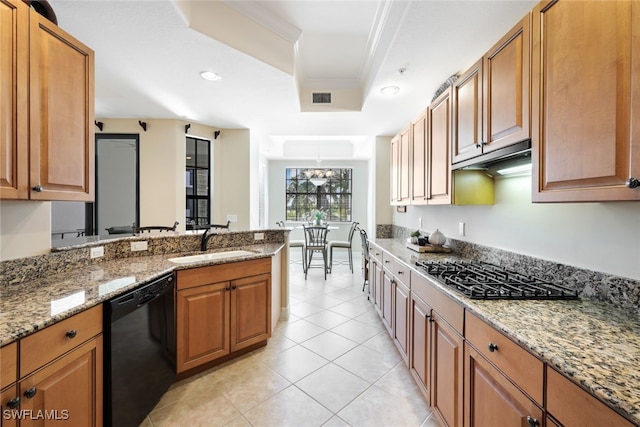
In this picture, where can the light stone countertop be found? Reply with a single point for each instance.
(32, 305)
(595, 345)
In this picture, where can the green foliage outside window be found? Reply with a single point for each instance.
(304, 198)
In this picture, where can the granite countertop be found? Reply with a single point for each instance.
(595, 345)
(32, 305)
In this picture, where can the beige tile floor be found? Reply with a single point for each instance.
(331, 363)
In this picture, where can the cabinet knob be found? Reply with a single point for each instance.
(13, 403)
(234, 287)
(38, 188)
(532, 421)
(493, 347)
(71, 334)
(228, 288)
(633, 183)
(30, 392)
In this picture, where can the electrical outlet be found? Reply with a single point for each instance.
(419, 222)
(139, 246)
(97, 252)
(461, 228)
(232, 218)
(258, 236)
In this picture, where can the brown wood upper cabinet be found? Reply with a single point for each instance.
(47, 92)
(419, 161)
(491, 99)
(586, 101)
(400, 172)
(439, 154)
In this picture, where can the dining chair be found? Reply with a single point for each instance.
(315, 241)
(295, 244)
(343, 244)
(365, 255)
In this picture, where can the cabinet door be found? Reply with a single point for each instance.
(387, 302)
(61, 108)
(584, 101)
(506, 88)
(405, 172)
(378, 279)
(491, 399)
(7, 400)
(14, 131)
(203, 324)
(395, 170)
(439, 143)
(401, 319)
(68, 389)
(419, 359)
(419, 182)
(250, 314)
(467, 136)
(447, 373)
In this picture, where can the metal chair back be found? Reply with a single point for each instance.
(315, 237)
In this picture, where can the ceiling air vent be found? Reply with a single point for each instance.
(321, 98)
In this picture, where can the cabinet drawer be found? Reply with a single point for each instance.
(449, 310)
(222, 272)
(375, 252)
(42, 347)
(573, 406)
(524, 369)
(8, 364)
(398, 269)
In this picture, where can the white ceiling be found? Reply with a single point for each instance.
(149, 55)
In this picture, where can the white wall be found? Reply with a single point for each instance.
(360, 193)
(232, 178)
(596, 236)
(25, 228)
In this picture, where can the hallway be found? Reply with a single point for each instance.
(331, 363)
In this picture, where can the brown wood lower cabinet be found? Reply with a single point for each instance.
(574, 407)
(60, 376)
(401, 319)
(420, 344)
(387, 301)
(67, 391)
(491, 399)
(447, 372)
(221, 309)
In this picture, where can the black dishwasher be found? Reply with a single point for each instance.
(140, 351)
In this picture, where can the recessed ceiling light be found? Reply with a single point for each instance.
(210, 75)
(390, 90)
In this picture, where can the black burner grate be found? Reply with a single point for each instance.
(480, 280)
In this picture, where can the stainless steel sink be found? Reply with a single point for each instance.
(210, 256)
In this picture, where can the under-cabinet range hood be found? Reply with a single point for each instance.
(518, 154)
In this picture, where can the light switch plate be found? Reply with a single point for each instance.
(232, 218)
(139, 246)
(461, 228)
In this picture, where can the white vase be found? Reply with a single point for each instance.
(437, 238)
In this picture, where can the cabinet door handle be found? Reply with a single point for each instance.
(13, 403)
(71, 334)
(633, 183)
(30, 392)
(38, 188)
(400, 272)
(493, 347)
(532, 421)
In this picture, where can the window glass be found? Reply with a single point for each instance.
(313, 190)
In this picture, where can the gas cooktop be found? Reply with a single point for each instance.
(479, 280)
